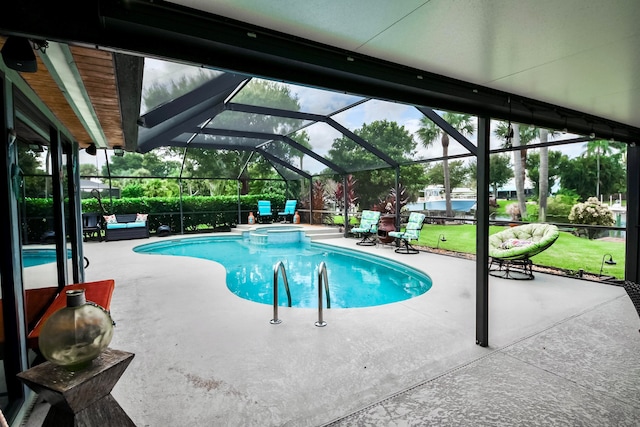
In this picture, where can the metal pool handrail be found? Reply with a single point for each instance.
(279, 266)
(322, 274)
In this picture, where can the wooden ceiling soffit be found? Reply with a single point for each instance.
(96, 67)
(48, 91)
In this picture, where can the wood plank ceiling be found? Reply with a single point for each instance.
(97, 71)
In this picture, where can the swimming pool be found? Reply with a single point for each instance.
(355, 279)
(33, 257)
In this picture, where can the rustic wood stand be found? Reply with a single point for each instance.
(81, 398)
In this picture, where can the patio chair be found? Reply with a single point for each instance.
(368, 228)
(92, 226)
(511, 249)
(411, 232)
(264, 211)
(289, 210)
(633, 290)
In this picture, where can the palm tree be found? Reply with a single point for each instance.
(429, 133)
(519, 169)
(543, 178)
(597, 147)
(515, 135)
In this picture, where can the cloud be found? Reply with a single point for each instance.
(318, 101)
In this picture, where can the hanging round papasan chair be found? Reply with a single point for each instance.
(510, 250)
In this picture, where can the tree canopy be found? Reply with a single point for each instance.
(580, 175)
(458, 173)
(429, 132)
(374, 185)
(556, 160)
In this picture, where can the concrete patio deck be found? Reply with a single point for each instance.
(562, 351)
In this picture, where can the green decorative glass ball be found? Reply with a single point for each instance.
(76, 334)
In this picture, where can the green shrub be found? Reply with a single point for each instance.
(591, 212)
(560, 205)
(213, 212)
(133, 190)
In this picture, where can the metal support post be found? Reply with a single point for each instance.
(632, 269)
(482, 233)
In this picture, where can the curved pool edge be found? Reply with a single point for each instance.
(381, 260)
(378, 257)
(141, 248)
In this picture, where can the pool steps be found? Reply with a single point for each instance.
(279, 267)
(270, 235)
(322, 277)
(322, 274)
(313, 232)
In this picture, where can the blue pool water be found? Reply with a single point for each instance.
(355, 279)
(33, 257)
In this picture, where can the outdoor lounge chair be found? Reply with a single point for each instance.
(368, 228)
(92, 226)
(633, 290)
(511, 249)
(289, 210)
(411, 232)
(264, 211)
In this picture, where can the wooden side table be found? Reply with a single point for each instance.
(81, 398)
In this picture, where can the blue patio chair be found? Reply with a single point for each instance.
(289, 210)
(368, 228)
(411, 232)
(264, 211)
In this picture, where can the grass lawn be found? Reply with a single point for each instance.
(339, 220)
(568, 252)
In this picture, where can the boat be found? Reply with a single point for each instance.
(432, 199)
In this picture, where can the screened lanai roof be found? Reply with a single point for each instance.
(225, 112)
(296, 133)
(569, 64)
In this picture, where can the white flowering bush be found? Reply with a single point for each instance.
(514, 210)
(591, 212)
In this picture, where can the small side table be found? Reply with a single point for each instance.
(81, 398)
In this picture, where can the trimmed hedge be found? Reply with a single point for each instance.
(210, 212)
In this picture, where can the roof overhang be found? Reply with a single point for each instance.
(94, 94)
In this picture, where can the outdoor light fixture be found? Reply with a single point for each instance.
(509, 135)
(441, 238)
(91, 149)
(18, 54)
(510, 131)
(609, 261)
(564, 129)
(12, 136)
(118, 150)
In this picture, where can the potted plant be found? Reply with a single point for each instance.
(388, 207)
(339, 195)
